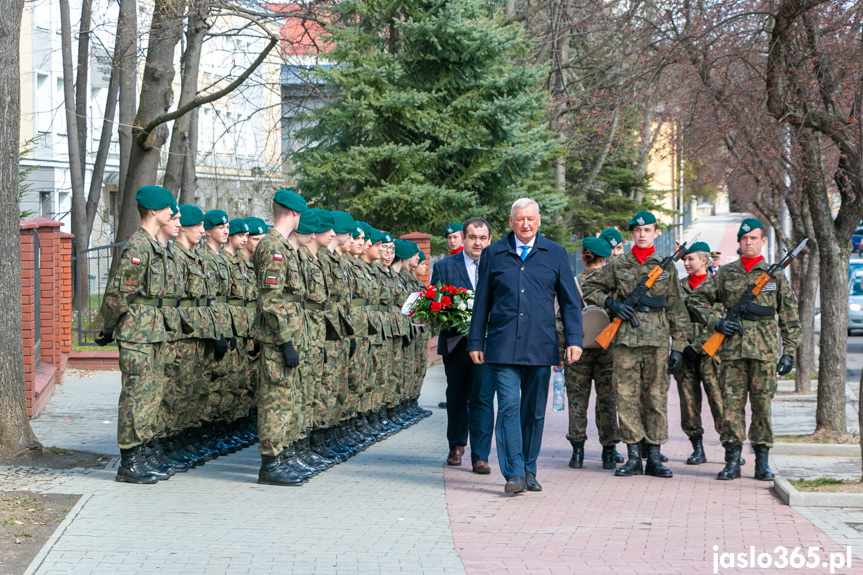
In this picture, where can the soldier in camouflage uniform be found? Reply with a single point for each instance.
(134, 316)
(389, 353)
(242, 307)
(279, 329)
(750, 349)
(257, 229)
(407, 254)
(421, 270)
(642, 360)
(698, 367)
(391, 308)
(593, 368)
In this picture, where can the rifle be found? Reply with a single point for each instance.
(740, 308)
(607, 336)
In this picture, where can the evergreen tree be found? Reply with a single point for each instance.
(434, 116)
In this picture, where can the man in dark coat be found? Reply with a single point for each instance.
(469, 392)
(518, 279)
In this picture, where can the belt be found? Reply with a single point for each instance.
(241, 302)
(359, 301)
(647, 309)
(756, 317)
(217, 299)
(193, 302)
(335, 298)
(316, 305)
(294, 297)
(156, 302)
(251, 304)
(373, 307)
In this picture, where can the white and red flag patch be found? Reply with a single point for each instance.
(136, 261)
(278, 257)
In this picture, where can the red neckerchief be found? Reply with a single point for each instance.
(641, 254)
(695, 280)
(454, 252)
(749, 263)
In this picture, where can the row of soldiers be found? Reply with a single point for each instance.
(672, 322)
(232, 332)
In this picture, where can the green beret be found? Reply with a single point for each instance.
(327, 221)
(422, 256)
(343, 223)
(237, 226)
(290, 200)
(698, 247)
(375, 235)
(191, 215)
(154, 198)
(309, 222)
(405, 250)
(642, 218)
(386, 237)
(596, 245)
(256, 226)
(748, 225)
(215, 218)
(367, 230)
(358, 229)
(612, 236)
(453, 228)
(175, 209)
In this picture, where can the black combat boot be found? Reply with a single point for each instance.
(290, 458)
(187, 441)
(394, 416)
(175, 452)
(362, 427)
(365, 418)
(388, 424)
(336, 445)
(698, 456)
(654, 465)
(732, 463)
(644, 449)
(133, 469)
(313, 460)
(198, 442)
(762, 465)
(577, 459)
(375, 423)
(633, 465)
(345, 438)
(274, 472)
(154, 458)
(422, 411)
(608, 459)
(618, 458)
(319, 446)
(350, 431)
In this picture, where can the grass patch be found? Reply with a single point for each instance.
(827, 485)
(820, 437)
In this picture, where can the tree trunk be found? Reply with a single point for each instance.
(190, 177)
(127, 64)
(157, 94)
(81, 79)
(807, 287)
(191, 61)
(15, 432)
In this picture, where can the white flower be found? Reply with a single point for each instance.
(461, 305)
(470, 303)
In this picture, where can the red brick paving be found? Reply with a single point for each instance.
(590, 522)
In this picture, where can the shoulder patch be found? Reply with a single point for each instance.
(272, 279)
(278, 257)
(664, 276)
(136, 261)
(769, 286)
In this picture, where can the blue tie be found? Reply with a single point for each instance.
(524, 250)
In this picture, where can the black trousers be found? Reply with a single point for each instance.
(469, 402)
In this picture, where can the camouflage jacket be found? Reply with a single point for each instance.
(410, 283)
(387, 300)
(215, 268)
(698, 332)
(620, 276)
(369, 287)
(142, 272)
(281, 292)
(362, 290)
(198, 316)
(759, 336)
(242, 291)
(337, 277)
(317, 296)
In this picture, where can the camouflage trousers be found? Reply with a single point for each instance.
(396, 376)
(420, 363)
(140, 416)
(215, 376)
(359, 367)
(641, 384)
(757, 379)
(278, 396)
(185, 386)
(378, 375)
(692, 376)
(335, 380)
(408, 370)
(254, 367)
(311, 373)
(230, 385)
(245, 385)
(595, 366)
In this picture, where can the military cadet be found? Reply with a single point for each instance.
(747, 367)
(218, 371)
(241, 304)
(279, 329)
(594, 366)
(454, 236)
(614, 239)
(407, 259)
(714, 265)
(133, 315)
(424, 335)
(698, 368)
(391, 311)
(642, 360)
(257, 229)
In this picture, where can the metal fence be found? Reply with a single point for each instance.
(93, 268)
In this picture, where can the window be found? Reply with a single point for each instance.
(60, 126)
(46, 204)
(43, 103)
(42, 14)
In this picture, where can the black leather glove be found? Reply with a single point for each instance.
(221, 347)
(233, 342)
(292, 358)
(729, 326)
(620, 309)
(103, 339)
(353, 348)
(783, 367)
(675, 362)
(406, 341)
(256, 349)
(690, 354)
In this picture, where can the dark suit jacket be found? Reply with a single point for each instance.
(515, 301)
(450, 271)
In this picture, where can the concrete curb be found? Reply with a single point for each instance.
(70, 517)
(816, 449)
(795, 498)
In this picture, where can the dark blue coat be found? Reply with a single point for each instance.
(450, 271)
(515, 301)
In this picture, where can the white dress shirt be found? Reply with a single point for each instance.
(471, 266)
(519, 243)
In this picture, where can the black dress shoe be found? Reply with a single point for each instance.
(442, 405)
(515, 484)
(531, 482)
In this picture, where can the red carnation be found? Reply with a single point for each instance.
(445, 301)
(435, 306)
(462, 290)
(430, 293)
